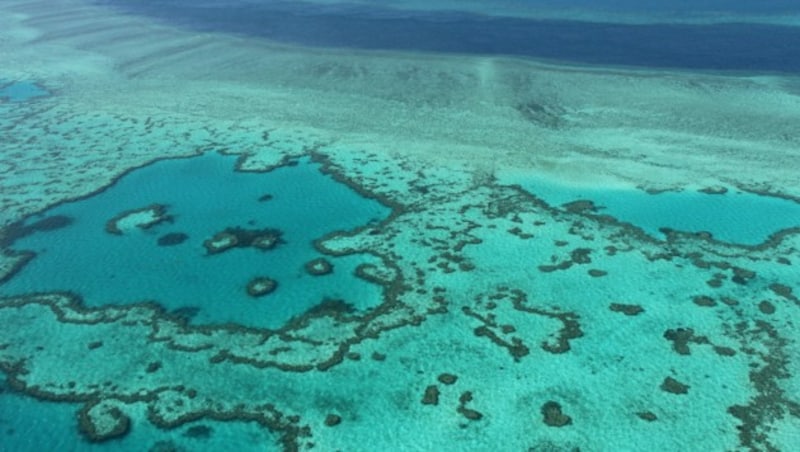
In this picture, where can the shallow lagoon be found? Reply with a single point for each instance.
(203, 196)
(30, 424)
(734, 216)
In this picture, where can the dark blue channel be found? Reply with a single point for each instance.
(716, 47)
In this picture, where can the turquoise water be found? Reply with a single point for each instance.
(20, 91)
(735, 216)
(27, 424)
(204, 196)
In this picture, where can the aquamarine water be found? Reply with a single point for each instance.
(29, 424)
(734, 216)
(204, 195)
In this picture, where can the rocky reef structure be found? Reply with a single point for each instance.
(141, 218)
(318, 267)
(260, 286)
(237, 237)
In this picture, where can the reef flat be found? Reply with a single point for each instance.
(495, 318)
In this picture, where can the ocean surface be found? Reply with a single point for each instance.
(735, 46)
(399, 225)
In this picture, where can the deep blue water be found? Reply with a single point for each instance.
(729, 46)
(204, 196)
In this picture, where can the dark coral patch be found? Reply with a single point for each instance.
(580, 206)
(730, 301)
(581, 255)
(318, 267)
(681, 337)
(378, 274)
(431, 395)
(648, 416)
(50, 223)
(714, 190)
(331, 308)
(199, 432)
(172, 239)
(627, 309)
(94, 345)
(704, 301)
(724, 351)
(99, 423)
(784, 291)
(332, 420)
(469, 413)
(674, 386)
(18, 231)
(221, 242)
(554, 416)
(742, 275)
(766, 307)
(157, 215)
(551, 268)
(235, 237)
(261, 286)
(186, 313)
(447, 379)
